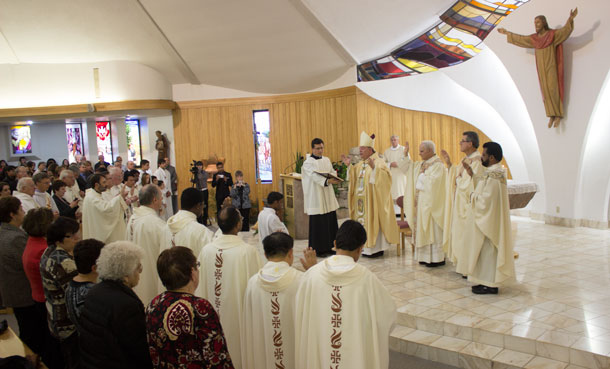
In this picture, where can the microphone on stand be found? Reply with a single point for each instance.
(291, 164)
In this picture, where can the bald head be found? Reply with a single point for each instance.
(427, 149)
(115, 176)
(150, 195)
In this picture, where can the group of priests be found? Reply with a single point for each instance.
(458, 212)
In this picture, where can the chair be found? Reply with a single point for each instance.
(403, 228)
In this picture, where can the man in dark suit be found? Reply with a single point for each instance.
(100, 163)
(223, 182)
(174, 184)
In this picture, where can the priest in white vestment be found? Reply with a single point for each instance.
(319, 199)
(268, 219)
(183, 229)
(458, 210)
(114, 179)
(25, 193)
(370, 200)
(344, 313)
(42, 182)
(103, 219)
(163, 174)
(72, 190)
(393, 157)
(226, 266)
(425, 203)
(269, 306)
(147, 230)
(490, 261)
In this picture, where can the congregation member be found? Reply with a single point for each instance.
(166, 202)
(36, 223)
(65, 208)
(5, 190)
(183, 229)
(146, 229)
(130, 166)
(269, 306)
(458, 208)
(21, 172)
(393, 157)
(25, 193)
(144, 167)
(144, 179)
(223, 182)
(73, 191)
(42, 167)
(112, 320)
(103, 219)
(268, 219)
(370, 183)
(42, 182)
(319, 199)
(226, 266)
(201, 184)
(172, 339)
(57, 269)
(11, 177)
(425, 203)
(15, 290)
(240, 199)
(172, 184)
(101, 163)
(344, 312)
(118, 162)
(86, 253)
(83, 177)
(490, 260)
(65, 163)
(163, 174)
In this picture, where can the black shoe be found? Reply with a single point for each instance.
(422, 263)
(375, 255)
(484, 290)
(465, 277)
(434, 265)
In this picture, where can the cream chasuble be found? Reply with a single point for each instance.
(102, 219)
(27, 202)
(424, 206)
(318, 198)
(226, 266)
(73, 193)
(458, 211)
(491, 261)
(269, 317)
(370, 203)
(183, 230)
(344, 316)
(146, 229)
(399, 180)
(45, 201)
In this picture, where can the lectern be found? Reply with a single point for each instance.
(295, 218)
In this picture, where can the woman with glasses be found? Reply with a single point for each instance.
(181, 327)
(112, 321)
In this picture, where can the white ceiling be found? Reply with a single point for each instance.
(268, 46)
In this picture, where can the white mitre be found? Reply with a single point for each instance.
(366, 140)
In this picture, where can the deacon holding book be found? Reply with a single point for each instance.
(320, 202)
(370, 203)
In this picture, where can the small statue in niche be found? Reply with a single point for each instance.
(162, 145)
(549, 61)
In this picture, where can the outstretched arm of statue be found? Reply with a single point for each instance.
(562, 34)
(515, 39)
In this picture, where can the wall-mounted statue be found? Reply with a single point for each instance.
(549, 61)
(162, 145)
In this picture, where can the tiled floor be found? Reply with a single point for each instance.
(561, 297)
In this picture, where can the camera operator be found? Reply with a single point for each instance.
(200, 180)
(223, 182)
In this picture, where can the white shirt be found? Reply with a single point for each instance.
(269, 222)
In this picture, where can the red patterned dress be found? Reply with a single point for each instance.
(184, 331)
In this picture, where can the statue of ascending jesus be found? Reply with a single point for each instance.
(549, 61)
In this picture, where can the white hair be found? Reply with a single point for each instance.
(21, 168)
(394, 136)
(118, 260)
(24, 182)
(429, 145)
(148, 194)
(114, 170)
(64, 173)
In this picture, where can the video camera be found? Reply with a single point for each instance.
(194, 171)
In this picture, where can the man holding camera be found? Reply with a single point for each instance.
(200, 180)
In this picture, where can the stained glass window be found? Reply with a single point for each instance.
(262, 127)
(457, 37)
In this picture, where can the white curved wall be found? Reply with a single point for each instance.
(30, 85)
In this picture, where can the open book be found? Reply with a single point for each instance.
(329, 175)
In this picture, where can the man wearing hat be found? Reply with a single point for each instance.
(370, 201)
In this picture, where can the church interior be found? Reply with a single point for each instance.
(250, 84)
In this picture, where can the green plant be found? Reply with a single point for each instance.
(341, 169)
(298, 163)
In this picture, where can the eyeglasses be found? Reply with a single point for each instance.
(463, 141)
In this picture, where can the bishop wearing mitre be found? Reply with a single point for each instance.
(458, 210)
(370, 202)
(425, 203)
(490, 261)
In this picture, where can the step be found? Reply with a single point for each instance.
(467, 354)
(460, 330)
